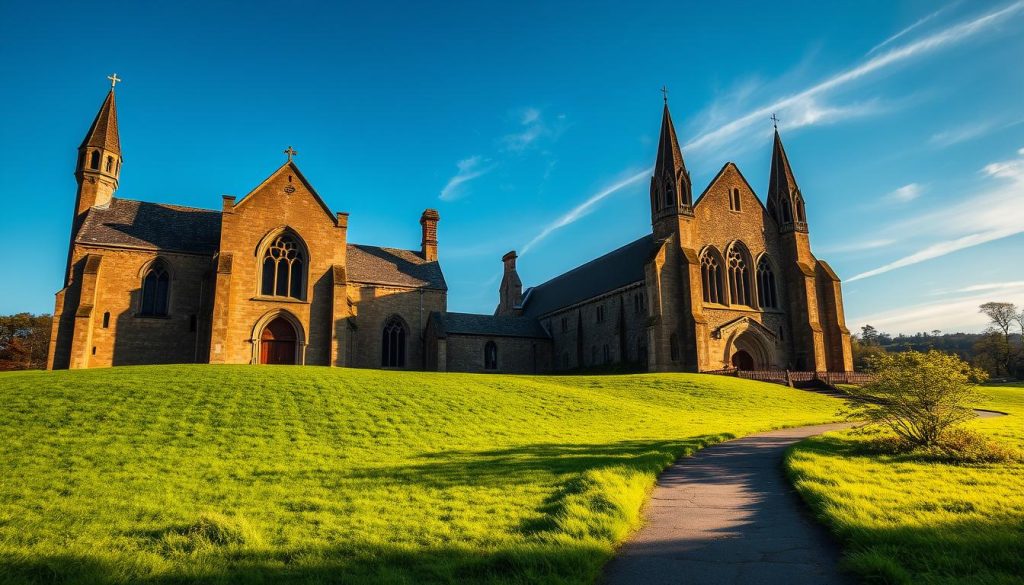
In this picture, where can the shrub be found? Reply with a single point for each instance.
(919, 396)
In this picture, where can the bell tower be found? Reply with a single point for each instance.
(671, 191)
(99, 160)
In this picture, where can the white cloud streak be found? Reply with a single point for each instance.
(957, 314)
(585, 207)
(893, 57)
(803, 101)
(906, 193)
(911, 28)
(469, 169)
(990, 216)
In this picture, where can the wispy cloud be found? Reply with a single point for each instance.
(960, 134)
(928, 44)
(804, 105)
(469, 169)
(992, 215)
(858, 245)
(906, 193)
(533, 126)
(955, 314)
(917, 24)
(985, 286)
(585, 207)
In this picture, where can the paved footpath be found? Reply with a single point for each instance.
(729, 515)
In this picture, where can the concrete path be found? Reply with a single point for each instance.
(729, 515)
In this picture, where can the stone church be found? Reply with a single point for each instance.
(722, 281)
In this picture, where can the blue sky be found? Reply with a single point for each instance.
(532, 126)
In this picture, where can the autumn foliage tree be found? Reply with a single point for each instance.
(24, 341)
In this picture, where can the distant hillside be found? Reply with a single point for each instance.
(240, 474)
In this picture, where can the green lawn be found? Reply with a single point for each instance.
(907, 520)
(283, 474)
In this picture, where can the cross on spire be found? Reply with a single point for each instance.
(114, 79)
(290, 152)
(775, 121)
(664, 94)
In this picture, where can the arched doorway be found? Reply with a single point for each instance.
(278, 343)
(741, 360)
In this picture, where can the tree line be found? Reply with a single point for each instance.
(999, 350)
(24, 341)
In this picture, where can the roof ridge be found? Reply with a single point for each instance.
(593, 260)
(173, 205)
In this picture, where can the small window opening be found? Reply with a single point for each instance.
(94, 160)
(110, 164)
(106, 320)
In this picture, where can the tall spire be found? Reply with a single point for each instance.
(785, 202)
(671, 192)
(670, 156)
(103, 132)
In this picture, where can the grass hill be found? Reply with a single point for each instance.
(225, 474)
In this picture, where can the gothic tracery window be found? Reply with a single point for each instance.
(284, 268)
(767, 294)
(739, 276)
(670, 194)
(393, 343)
(711, 278)
(156, 286)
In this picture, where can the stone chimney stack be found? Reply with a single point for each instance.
(428, 221)
(511, 291)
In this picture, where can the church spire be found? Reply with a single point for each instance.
(785, 202)
(103, 132)
(99, 157)
(671, 192)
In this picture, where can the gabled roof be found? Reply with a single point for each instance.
(719, 176)
(152, 226)
(614, 270)
(290, 165)
(490, 325)
(103, 132)
(391, 266)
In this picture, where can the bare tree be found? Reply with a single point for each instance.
(1002, 316)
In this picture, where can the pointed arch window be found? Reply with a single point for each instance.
(734, 200)
(94, 160)
(711, 277)
(784, 210)
(284, 268)
(110, 164)
(800, 216)
(156, 285)
(393, 343)
(670, 194)
(491, 356)
(767, 295)
(739, 276)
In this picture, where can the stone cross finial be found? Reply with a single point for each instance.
(775, 121)
(114, 79)
(290, 152)
(664, 94)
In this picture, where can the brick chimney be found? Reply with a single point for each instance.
(428, 221)
(511, 290)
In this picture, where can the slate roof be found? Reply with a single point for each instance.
(670, 157)
(781, 181)
(614, 270)
(152, 226)
(103, 132)
(493, 325)
(376, 265)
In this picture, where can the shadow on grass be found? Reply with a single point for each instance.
(967, 549)
(217, 551)
(365, 564)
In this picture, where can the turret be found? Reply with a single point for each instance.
(785, 202)
(671, 191)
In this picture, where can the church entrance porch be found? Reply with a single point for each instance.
(279, 343)
(741, 360)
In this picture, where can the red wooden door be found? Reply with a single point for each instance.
(277, 343)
